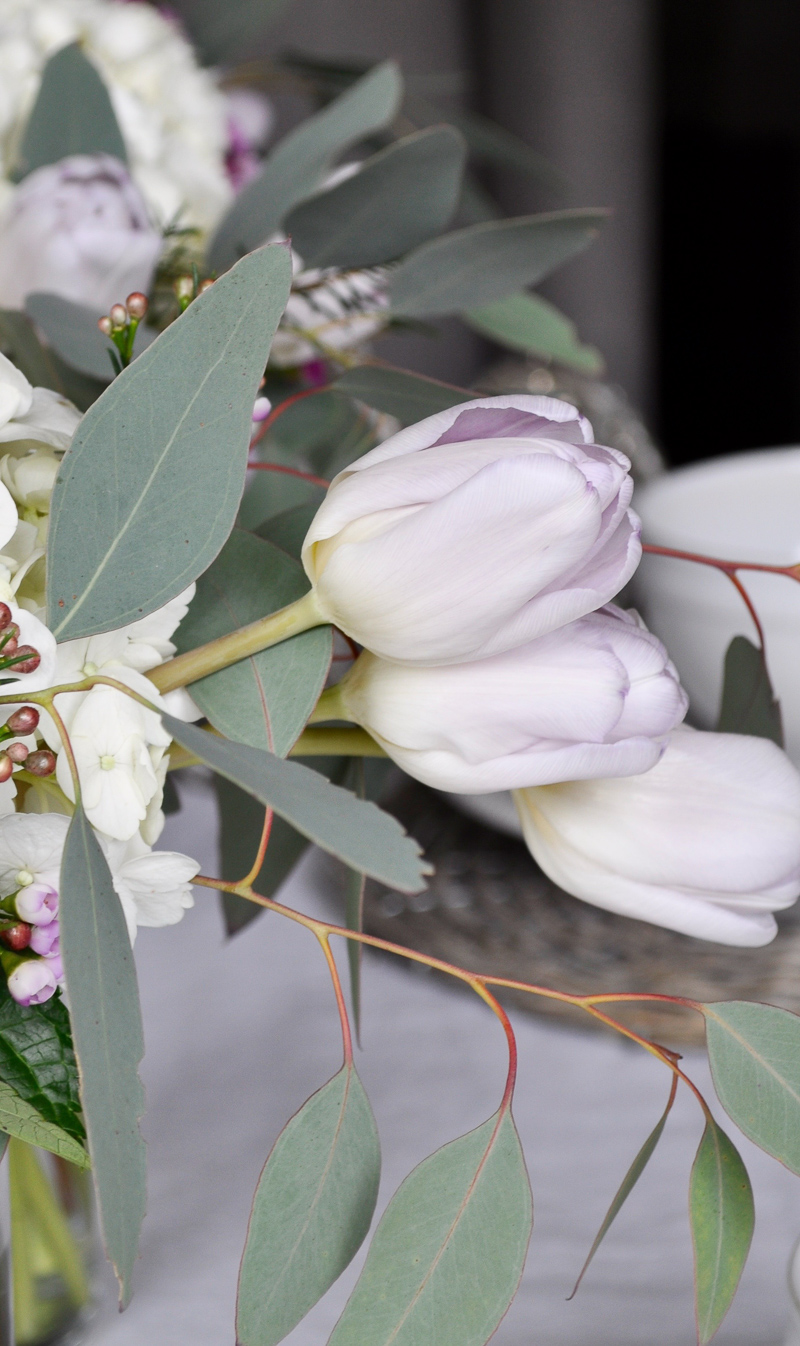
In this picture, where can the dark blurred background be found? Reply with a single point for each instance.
(681, 115)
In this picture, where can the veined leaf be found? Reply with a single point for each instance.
(484, 262)
(311, 1211)
(18, 1118)
(71, 330)
(352, 829)
(409, 397)
(264, 700)
(72, 115)
(722, 1217)
(37, 1060)
(528, 323)
(296, 167)
(107, 1031)
(446, 1259)
(20, 344)
(288, 529)
(148, 490)
(749, 705)
(629, 1181)
(399, 198)
(754, 1053)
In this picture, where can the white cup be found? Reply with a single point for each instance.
(745, 507)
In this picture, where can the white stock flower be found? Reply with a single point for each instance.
(109, 736)
(706, 843)
(172, 115)
(595, 698)
(477, 530)
(31, 846)
(154, 887)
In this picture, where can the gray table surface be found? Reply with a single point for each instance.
(240, 1033)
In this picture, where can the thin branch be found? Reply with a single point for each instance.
(347, 1040)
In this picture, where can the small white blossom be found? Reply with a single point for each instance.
(154, 887)
(109, 737)
(31, 846)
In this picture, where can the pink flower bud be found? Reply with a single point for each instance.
(17, 752)
(56, 966)
(261, 409)
(17, 936)
(184, 287)
(28, 665)
(5, 616)
(104, 324)
(136, 305)
(41, 763)
(205, 285)
(32, 982)
(44, 939)
(37, 904)
(24, 720)
(6, 767)
(118, 315)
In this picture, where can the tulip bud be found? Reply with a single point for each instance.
(6, 767)
(136, 305)
(24, 721)
(30, 663)
(104, 324)
(41, 763)
(37, 904)
(17, 936)
(44, 939)
(17, 752)
(707, 842)
(118, 315)
(32, 982)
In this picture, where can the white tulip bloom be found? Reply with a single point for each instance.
(154, 887)
(595, 698)
(706, 843)
(109, 736)
(473, 532)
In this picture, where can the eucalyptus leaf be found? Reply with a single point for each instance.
(225, 33)
(484, 262)
(749, 705)
(311, 1211)
(447, 1256)
(400, 197)
(528, 323)
(72, 115)
(490, 143)
(298, 164)
(352, 829)
(754, 1052)
(107, 1032)
(409, 397)
(264, 700)
(148, 490)
(354, 887)
(19, 1118)
(722, 1217)
(20, 344)
(38, 1061)
(288, 529)
(71, 330)
(270, 493)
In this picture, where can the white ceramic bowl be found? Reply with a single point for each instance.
(747, 508)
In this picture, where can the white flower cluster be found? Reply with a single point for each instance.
(171, 113)
(120, 746)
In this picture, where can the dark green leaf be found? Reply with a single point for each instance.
(352, 829)
(72, 115)
(225, 33)
(71, 330)
(446, 1258)
(754, 1052)
(399, 198)
(172, 434)
(288, 529)
(484, 262)
(38, 1061)
(748, 705)
(297, 166)
(107, 1032)
(171, 802)
(409, 397)
(271, 493)
(21, 1119)
(629, 1182)
(264, 700)
(722, 1218)
(311, 1211)
(527, 323)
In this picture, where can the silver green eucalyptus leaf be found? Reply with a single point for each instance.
(528, 323)
(107, 1033)
(399, 198)
(484, 262)
(149, 489)
(409, 397)
(72, 115)
(296, 167)
(722, 1218)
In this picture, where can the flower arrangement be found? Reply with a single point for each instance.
(165, 600)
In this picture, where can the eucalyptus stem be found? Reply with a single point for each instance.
(290, 621)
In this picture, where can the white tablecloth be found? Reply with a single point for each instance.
(240, 1033)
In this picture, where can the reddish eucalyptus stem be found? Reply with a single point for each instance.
(284, 406)
(730, 569)
(255, 869)
(347, 1040)
(290, 472)
(494, 1004)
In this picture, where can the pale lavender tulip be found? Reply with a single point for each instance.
(78, 228)
(479, 529)
(595, 698)
(707, 842)
(32, 982)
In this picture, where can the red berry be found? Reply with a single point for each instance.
(17, 752)
(5, 616)
(28, 665)
(41, 763)
(24, 720)
(16, 936)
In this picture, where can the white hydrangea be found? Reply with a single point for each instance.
(171, 113)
